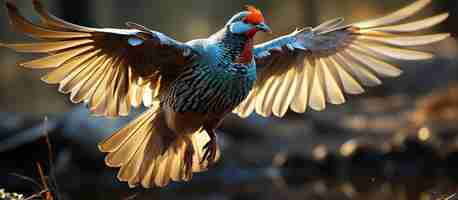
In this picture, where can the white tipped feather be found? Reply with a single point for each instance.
(349, 83)
(250, 107)
(285, 93)
(366, 77)
(82, 73)
(46, 47)
(261, 95)
(300, 101)
(59, 74)
(281, 93)
(87, 89)
(414, 26)
(396, 16)
(370, 32)
(392, 52)
(382, 68)
(330, 24)
(55, 60)
(406, 41)
(97, 101)
(271, 96)
(83, 80)
(291, 92)
(295, 103)
(317, 99)
(247, 107)
(334, 94)
(71, 79)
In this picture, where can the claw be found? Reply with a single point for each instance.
(210, 152)
(210, 148)
(188, 162)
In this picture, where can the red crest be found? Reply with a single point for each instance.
(255, 16)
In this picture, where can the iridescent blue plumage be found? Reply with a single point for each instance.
(215, 83)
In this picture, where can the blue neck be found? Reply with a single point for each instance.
(233, 45)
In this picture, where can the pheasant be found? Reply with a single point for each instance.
(190, 87)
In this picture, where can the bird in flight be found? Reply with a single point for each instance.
(189, 87)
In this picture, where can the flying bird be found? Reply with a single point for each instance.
(189, 87)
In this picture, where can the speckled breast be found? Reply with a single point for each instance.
(206, 89)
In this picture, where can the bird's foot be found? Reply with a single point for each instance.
(188, 162)
(210, 152)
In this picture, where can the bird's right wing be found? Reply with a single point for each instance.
(312, 66)
(109, 69)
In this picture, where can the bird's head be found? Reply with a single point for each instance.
(248, 22)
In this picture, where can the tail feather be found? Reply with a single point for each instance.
(119, 138)
(129, 171)
(150, 154)
(123, 144)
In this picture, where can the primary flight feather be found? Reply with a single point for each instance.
(190, 87)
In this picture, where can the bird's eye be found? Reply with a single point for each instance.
(248, 22)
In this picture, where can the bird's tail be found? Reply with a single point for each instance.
(151, 154)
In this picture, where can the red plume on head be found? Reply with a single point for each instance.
(255, 15)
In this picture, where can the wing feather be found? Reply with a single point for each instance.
(261, 95)
(59, 74)
(393, 52)
(300, 101)
(47, 47)
(334, 94)
(54, 22)
(22, 25)
(81, 80)
(270, 96)
(317, 97)
(414, 26)
(349, 83)
(286, 93)
(364, 75)
(84, 90)
(380, 67)
(82, 72)
(56, 60)
(334, 59)
(406, 41)
(98, 65)
(395, 17)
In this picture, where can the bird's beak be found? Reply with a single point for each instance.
(263, 27)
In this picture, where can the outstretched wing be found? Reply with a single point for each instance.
(312, 66)
(109, 69)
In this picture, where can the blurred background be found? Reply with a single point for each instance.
(397, 141)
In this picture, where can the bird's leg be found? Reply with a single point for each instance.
(188, 154)
(210, 148)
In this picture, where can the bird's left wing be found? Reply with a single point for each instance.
(109, 69)
(312, 66)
